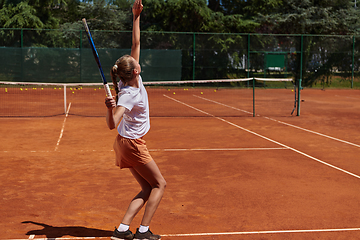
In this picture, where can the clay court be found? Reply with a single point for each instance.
(229, 174)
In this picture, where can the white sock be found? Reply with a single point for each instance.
(123, 228)
(143, 229)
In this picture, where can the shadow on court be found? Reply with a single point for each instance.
(73, 231)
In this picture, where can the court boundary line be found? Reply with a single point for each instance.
(32, 237)
(62, 128)
(166, 150)
(281, 122)
(266, 138)
(213, 149)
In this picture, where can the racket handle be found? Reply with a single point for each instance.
(107, 90)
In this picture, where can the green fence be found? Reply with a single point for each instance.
(65, 56)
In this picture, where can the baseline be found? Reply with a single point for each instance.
(215, 234)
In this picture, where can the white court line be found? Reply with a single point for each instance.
(348, 97)
(262, 232)
(213, 149)
(288, 124)
(310, 131)
(266, 138)
(218, 234)
(171, 150)
(62, 129)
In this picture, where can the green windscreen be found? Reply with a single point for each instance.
(66, 65)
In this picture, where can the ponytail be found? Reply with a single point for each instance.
(113, 74)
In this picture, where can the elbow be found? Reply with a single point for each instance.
(135, 45)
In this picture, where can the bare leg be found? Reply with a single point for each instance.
(153, 185)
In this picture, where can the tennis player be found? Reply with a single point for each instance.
(132, 108)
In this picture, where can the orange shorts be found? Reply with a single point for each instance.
(131, 152)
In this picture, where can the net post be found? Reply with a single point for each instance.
(65, 98)
(253, 97)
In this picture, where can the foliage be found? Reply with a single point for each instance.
(219, 54)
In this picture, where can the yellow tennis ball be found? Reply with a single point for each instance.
(173, 92)
(214, 90)
(201, 93)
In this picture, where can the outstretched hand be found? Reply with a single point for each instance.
(137, 7)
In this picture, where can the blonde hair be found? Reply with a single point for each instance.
(123, 68)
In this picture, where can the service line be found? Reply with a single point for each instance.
(62, 129)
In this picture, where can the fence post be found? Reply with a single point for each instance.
(81, 80)
(22, 54)
(301, 69)
(248, 59)
(353, 63)
(194, 41)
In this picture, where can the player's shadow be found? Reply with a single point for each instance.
(73, 231)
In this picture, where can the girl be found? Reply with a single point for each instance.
(132, 108)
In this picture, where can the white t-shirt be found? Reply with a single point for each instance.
(136, 121)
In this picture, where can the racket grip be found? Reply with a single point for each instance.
(107, 90)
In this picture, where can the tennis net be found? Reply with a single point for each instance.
(224, 97)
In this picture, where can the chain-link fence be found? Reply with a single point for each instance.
(65, 56)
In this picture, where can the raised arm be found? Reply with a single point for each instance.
(135, 48)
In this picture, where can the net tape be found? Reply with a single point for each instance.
(153, 83)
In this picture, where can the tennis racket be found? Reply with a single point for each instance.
(97, 59)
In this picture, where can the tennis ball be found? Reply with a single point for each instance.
(5, 89)
(215, 90)
(72, 92)
(173, 92)
(20, 89)
(201, 93)
(292, 90)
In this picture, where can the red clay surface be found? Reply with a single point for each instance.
(227, 172)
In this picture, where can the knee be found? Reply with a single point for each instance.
(161, 184)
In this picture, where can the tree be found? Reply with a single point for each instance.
(311, 17)
(20, 16)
